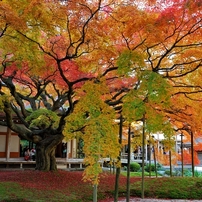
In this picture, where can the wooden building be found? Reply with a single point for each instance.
(9, 143)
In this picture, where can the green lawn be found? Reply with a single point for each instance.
(36, 186)
(138, 174)
(170, 187)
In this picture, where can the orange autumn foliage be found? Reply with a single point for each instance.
(187, 158)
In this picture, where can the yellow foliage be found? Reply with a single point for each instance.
(94, 120)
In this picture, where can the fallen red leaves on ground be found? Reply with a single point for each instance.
(64, 181)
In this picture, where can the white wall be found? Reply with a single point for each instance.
(15, 143)
(2, 143)
(3, 129)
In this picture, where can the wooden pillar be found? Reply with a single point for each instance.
(146, 153)
(8, 141)
(74, 149)
(68, 149)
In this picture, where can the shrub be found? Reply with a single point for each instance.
(167, 172)
(177, 194)
(177, 173)
(161, 193)
(134, 167)
(198, 184)
(135, 192)
(174, 173)
(152, 167)
(188, 173)
(197, 173)
(159, 166)
(195, 194)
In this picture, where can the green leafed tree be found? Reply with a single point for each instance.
(94, 121)
(146, 103)
(151, 98)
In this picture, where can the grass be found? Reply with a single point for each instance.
(138, 174)
(170, 187)
(38, 186)
(15, 192)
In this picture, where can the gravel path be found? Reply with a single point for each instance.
(132, 199)
(159, 200)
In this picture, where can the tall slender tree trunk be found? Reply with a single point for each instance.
(170, 161)
(182, 154)
(149, 155)
(155, 167)
(192, 153)
(128, 167)
(95, 193)
(143, 155)
(118, 169)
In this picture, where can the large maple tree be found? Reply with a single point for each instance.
(40, 44)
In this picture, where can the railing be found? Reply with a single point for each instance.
(134, 156)
(67, 162)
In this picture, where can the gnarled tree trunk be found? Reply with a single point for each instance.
(46, 139)
(45, 153)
